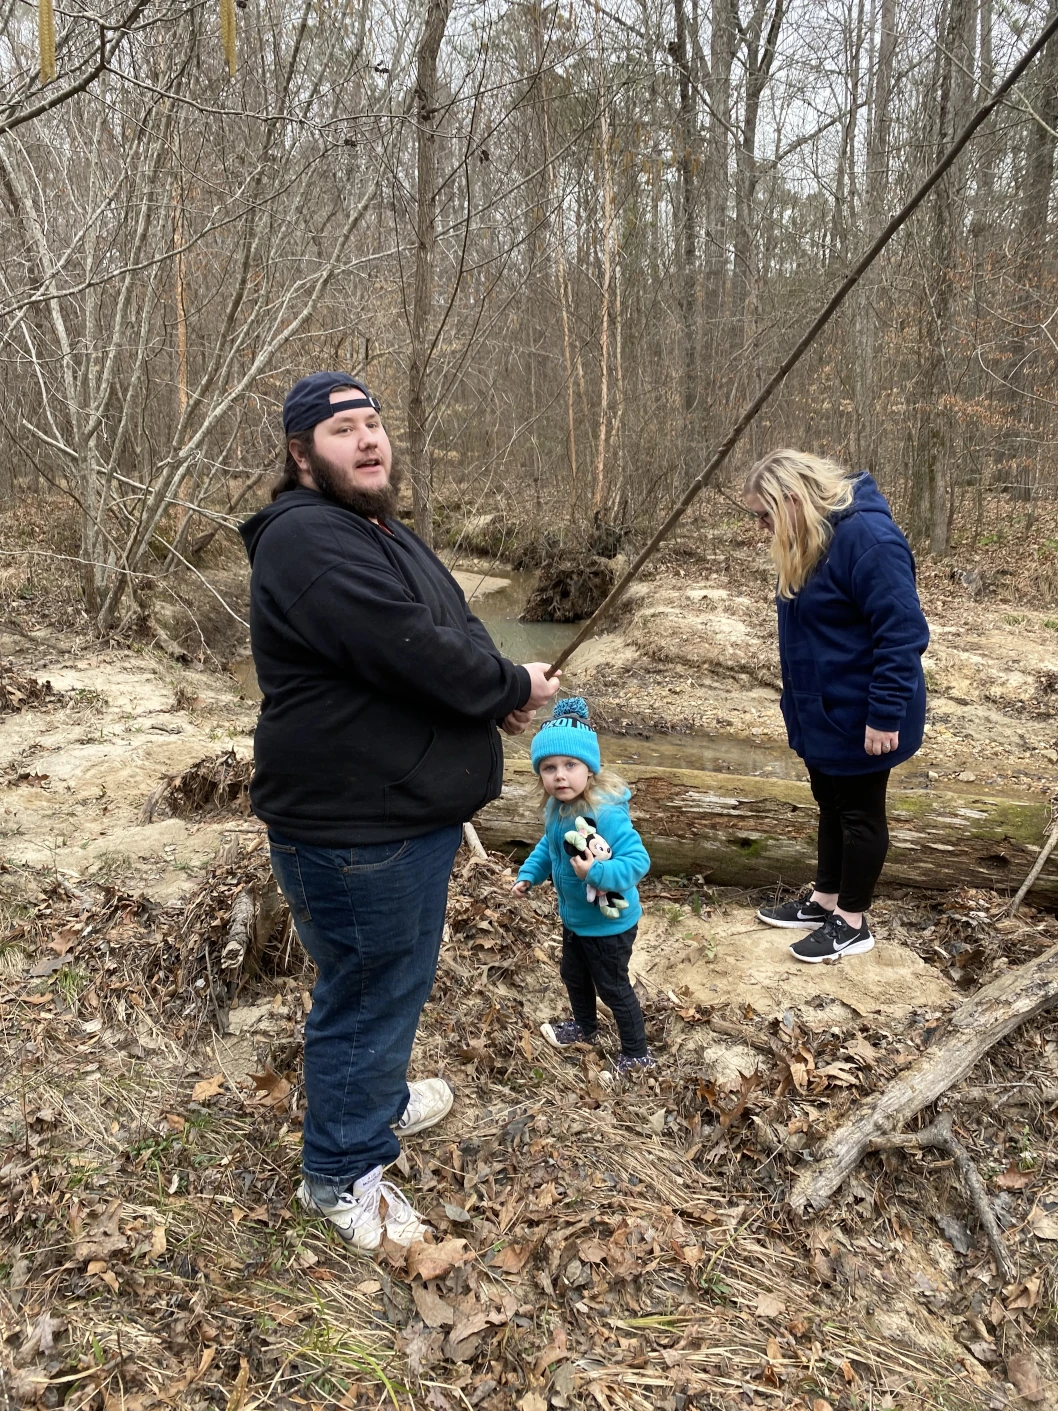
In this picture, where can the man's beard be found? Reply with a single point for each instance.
(372, 504)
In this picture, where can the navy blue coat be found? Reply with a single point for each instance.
(851, 643)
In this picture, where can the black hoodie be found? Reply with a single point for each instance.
(381, 688)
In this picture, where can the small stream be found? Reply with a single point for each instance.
(521, 641)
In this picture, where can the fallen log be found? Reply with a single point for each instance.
(744, 831)
(995, 1011)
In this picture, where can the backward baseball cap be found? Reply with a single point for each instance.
(309, 401)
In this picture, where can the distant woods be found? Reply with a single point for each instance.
(563, 243)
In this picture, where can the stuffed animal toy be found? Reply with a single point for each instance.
(583, 841)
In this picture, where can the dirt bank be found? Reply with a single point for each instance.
(76, 775)
(696, 654)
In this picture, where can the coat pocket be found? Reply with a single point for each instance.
(823, 737)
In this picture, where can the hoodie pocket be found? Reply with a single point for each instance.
(449, 782)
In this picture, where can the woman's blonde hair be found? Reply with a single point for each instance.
(602, 788)
(820, 487)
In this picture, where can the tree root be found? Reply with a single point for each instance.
(939, 1135)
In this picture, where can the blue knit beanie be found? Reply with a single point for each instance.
(568, 734)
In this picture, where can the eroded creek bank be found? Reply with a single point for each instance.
(76, 775)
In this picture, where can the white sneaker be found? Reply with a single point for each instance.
(430, 1100)
(357, 1215)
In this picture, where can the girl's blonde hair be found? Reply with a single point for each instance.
(820, 488)
(602, 788)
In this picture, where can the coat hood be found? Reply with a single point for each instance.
(251, 529)
(866, 499)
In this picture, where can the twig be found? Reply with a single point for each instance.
(940, 1135)
(1037, 868)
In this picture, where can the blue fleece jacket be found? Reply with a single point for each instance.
(851, 643)
(629, 864)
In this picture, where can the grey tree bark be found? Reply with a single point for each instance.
(425, 242)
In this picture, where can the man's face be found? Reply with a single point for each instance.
(354, 447)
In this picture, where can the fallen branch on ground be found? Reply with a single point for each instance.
(940, 1135)
(995, 1011)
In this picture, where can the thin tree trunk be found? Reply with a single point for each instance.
(425, 240)
(687, 254)
(723, 44)
(599, 488)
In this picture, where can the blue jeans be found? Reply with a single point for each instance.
(371, 917)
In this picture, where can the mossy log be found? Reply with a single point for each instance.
(755, 832)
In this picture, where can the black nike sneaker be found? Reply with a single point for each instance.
(834, 939)
(797, 915)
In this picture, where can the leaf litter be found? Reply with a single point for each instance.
(605, 1246)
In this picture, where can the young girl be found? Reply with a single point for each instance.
(596, 947)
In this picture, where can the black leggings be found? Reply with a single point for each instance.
(853, 834)
(598, 965)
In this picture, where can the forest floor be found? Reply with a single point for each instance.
(596, 1246)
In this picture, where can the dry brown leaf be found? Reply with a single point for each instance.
(207, 1088)
(101, 1236)
(774, 1350)
(157, 1241)
(433, 1310)
(1021, 1370)
(532, 1401)
(1044, 1224)
(272, 1090)
(238, 1391)
(1013, 1180)
(1025, 1295)
(770, 1306)
(511, 1259)
(433, 1261)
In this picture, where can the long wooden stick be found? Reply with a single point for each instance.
(806, 340)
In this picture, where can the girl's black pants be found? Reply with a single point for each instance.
(598, 966)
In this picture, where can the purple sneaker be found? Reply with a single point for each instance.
(566, 1034)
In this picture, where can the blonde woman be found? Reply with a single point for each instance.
(851, 638)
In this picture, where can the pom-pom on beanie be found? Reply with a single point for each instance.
(568, 733)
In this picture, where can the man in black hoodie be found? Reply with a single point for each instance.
(377, 739)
